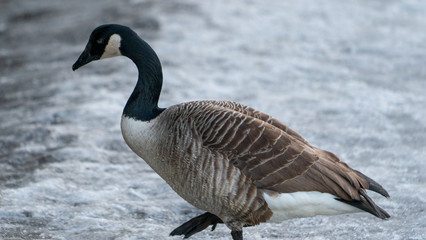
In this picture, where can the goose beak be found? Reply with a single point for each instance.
(84, 59)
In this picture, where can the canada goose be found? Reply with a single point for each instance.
(242, 166)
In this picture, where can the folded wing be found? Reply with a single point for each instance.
(278, 159)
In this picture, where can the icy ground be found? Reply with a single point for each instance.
(350, 76)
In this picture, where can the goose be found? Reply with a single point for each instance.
(242, 166)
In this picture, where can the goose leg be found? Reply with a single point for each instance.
(197, 224)
(237, 235)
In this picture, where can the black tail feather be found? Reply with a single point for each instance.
(374, 186)
(366, 204)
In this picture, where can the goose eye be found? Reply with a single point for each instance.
(100, 41)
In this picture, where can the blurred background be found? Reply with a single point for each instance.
(349, 76)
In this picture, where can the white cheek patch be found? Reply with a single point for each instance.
(112, 49)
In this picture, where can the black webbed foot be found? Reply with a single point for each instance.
(237, 235)
(197, 224)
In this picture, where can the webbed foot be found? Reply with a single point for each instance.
(197, 224)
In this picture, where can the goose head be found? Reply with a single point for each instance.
(113, 40)
(105, 41)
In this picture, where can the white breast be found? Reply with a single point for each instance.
(305, 204)
(141, 137)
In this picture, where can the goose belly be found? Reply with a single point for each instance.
(305, 204)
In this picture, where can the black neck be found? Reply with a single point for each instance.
(143, 103)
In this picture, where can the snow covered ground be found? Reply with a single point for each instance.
(350, 76)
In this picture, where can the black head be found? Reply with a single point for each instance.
(104, 42)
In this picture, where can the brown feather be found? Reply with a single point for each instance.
(274, 156)
(243, 153)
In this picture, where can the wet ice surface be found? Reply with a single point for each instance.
(350, 77)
